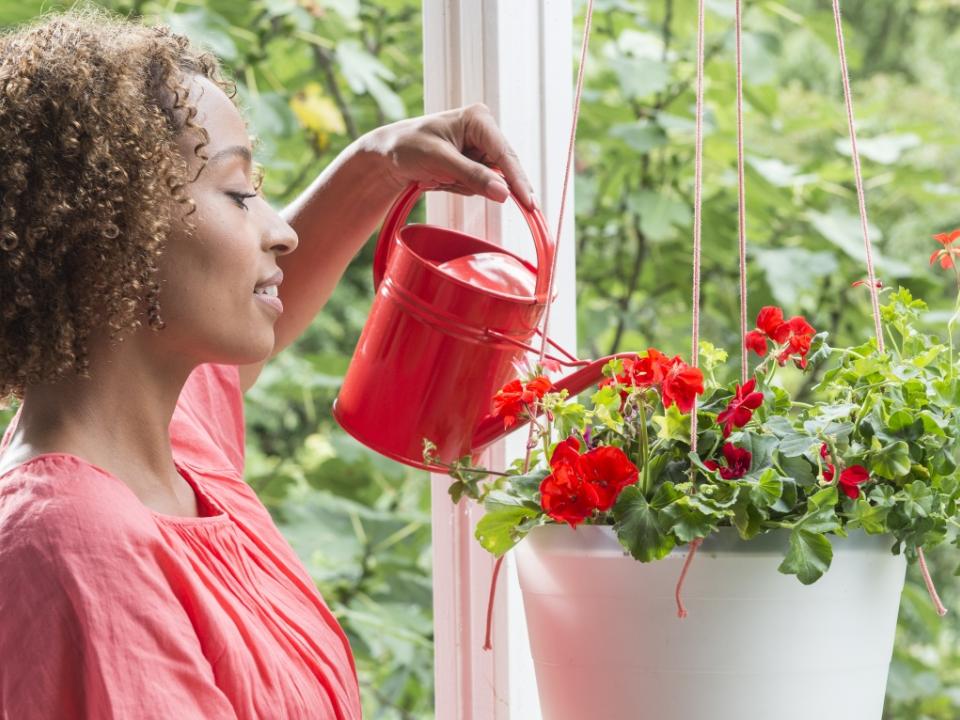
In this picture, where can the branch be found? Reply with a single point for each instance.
(325, 62)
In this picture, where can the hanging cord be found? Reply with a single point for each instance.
(864, 226)
(858, 176)
(697, 226)
(488, 644)
(741, 198)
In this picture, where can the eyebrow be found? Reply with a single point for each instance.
(234, 150)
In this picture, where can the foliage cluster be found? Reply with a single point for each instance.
(314, 74)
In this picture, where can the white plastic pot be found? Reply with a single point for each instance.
(756, 645)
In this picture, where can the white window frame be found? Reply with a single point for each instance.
(516, 56)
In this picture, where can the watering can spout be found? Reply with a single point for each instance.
(491, 427)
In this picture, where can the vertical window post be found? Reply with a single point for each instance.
(516, 57)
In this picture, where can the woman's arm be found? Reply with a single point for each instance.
(340, 209)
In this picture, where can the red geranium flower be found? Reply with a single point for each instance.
(757, 341)
(580, 484)
(795, 335)
(798, 336)
(678, 382)
(513, 398)
(741, 407)
(945, 256)
(681, 385)
(829, 470)
(566, 497)
(947, 238)
(651, 369)
(646, 371)
(851, 478)
(770, 323)
(608, 470)
(947, 253)
(738, 462)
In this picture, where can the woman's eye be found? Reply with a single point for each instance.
(239, 197)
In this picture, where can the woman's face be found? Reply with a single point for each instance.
(207, 277)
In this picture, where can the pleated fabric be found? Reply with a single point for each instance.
(112, 611)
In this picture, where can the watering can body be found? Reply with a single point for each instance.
(452, 314)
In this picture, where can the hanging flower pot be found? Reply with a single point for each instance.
(756, 643)
(805, 514)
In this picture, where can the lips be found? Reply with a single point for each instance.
(274, 279)
(273, 302)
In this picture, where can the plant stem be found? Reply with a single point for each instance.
(547, 437)
(952, 321)
(644, 450)
(776, 523)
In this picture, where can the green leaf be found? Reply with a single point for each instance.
(638, 526)
(673, 425)
(884, 149)
(780, 268)
(660, 214)
(761, 447)
(788, 496)
(456, 490)
(365, 73)
(892, 461)
(842, 228)
(687, 521)
(529, 485)
(722, 495)
(642, 136)
(567, 417)
(640, 77)
(779, 426)
(206, 28)
(770, 487)
(666, 494)
(698, 463)
(797, 444)
(917, 500)
(497, 530)
(711, 357)
(747, 518)
(872, 518)
(809, 556)
(606, 406)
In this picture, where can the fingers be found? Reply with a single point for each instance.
(475, 177)
(483, 136)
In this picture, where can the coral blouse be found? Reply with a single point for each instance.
(111, 611)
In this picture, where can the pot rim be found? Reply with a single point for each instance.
(601, 539)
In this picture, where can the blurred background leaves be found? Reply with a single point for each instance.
(315, 74)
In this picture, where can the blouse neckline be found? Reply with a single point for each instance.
(204, 498)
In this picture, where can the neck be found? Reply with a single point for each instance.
(118, 418)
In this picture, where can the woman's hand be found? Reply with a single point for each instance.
(450, 151)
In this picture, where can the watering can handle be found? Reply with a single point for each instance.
(400, 211)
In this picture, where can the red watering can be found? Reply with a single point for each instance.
(451, 315)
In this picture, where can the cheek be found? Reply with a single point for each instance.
(212, 271)
(223, 246)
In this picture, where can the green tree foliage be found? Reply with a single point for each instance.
(313, 74)
(635, 189)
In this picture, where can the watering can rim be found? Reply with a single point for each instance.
(432, 268)
(400, 211)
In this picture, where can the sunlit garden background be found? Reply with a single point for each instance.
(314, 74)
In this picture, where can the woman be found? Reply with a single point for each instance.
(142, 578)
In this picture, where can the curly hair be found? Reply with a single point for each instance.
(91, 106)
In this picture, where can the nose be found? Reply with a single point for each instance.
(280, 235)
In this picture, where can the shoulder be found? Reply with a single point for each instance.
(59, 502)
